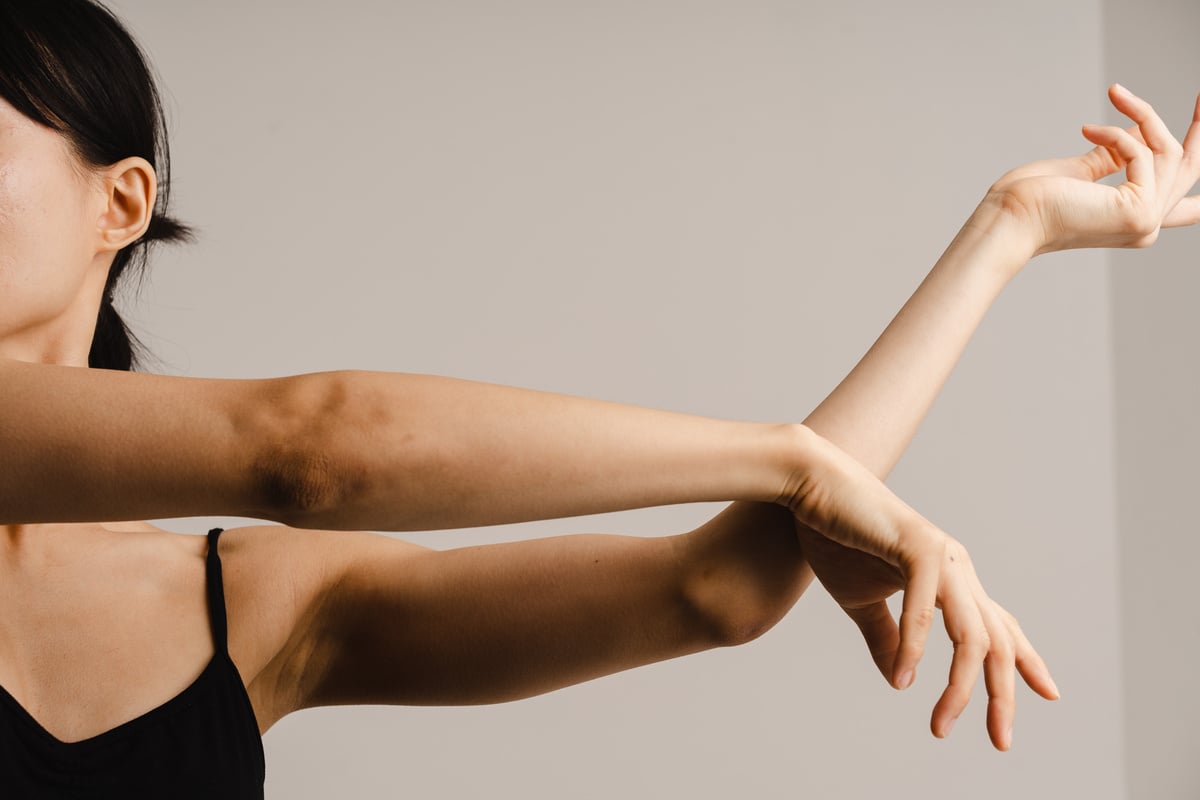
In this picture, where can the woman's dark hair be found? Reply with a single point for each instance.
(71, 65)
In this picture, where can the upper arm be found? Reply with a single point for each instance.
(95, 445)
(341, 618)
(401, 624)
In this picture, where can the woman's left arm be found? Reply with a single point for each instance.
(1037, 208)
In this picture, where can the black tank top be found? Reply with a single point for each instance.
(202, 743)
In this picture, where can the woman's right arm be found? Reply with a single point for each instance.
(384, 451)
(357, 450)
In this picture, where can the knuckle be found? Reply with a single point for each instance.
(933, 541)
(953, 550)
(1002, 703)
(1001, 648)
(975, 641)
(924, 616)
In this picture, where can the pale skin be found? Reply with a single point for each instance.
(322, 615)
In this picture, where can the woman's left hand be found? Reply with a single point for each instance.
(982, 631)
(1063, 207)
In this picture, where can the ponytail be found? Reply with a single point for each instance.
(113, 345)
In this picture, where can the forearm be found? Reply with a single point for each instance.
(872, 415)
(876, 410)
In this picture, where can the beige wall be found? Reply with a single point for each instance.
(1156, 329)
(710, 207)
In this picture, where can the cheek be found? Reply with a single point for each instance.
(42, 257)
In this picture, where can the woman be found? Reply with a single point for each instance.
(320, 617)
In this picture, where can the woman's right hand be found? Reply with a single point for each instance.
(1064, 208)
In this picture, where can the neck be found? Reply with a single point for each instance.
(66, 339)
(68, 351)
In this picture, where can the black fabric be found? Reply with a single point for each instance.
(202, 743)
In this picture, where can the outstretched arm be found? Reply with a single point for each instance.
(379, 451)
(873, 415)
(875, 411)
(1037, 208)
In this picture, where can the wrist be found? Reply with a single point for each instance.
(1008, 223)
(798, 462)
(993, 244)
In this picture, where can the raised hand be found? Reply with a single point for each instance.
(1064, 208)
(871, 545)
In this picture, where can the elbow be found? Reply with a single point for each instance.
(740, 621)
(739, 584)
(299, 487)
(305, 470)
(733, 610)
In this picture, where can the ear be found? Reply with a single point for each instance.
(130, 189)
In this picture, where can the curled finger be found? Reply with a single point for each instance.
(1154, 131)
(1138, 158)
(918, 612)
(967, 631)
(1191, 141)
(880, 632)
(1191, 150)
(999, 677)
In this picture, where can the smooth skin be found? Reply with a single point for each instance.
(319, 615)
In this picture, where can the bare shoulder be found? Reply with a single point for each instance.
(282, 587)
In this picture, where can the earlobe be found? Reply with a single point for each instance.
(130, 190)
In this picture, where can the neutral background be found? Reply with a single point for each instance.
(715, 208)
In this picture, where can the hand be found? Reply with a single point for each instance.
(1063, 206)
(861, 583)
(864, 544)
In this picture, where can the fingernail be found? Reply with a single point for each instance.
(1121, 89)
(1008, 738)
(906, 680)
(1054, 686)
(949, 727)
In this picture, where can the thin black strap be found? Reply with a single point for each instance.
(216, 592)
